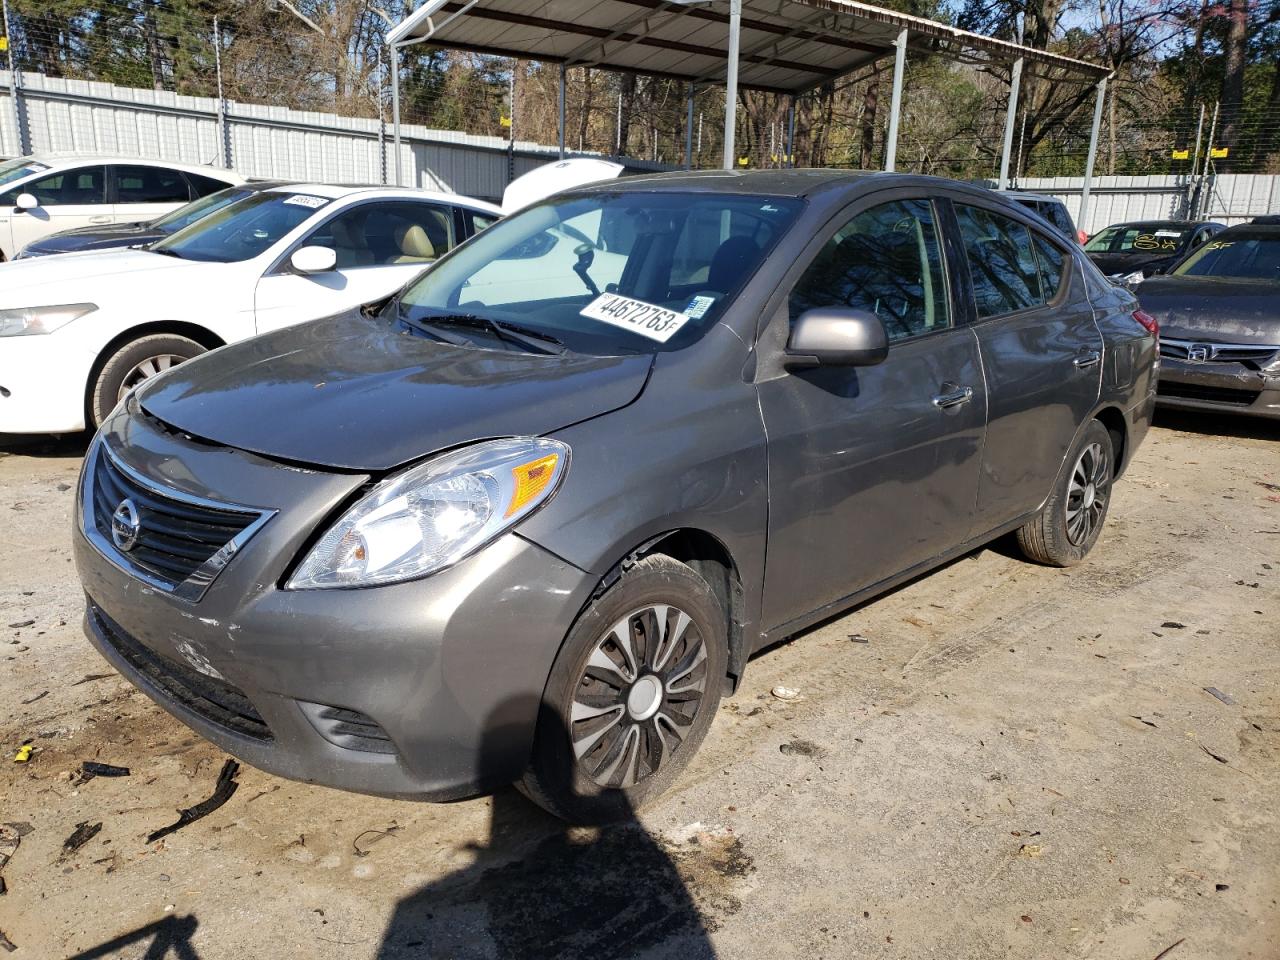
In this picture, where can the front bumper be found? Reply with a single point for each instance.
(42, 384)
(1218, 386)
(427, 690)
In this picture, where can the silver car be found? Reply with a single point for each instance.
(528, 519)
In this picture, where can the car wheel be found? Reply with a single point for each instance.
(631, 694)
(133, 363)
(1072, 518)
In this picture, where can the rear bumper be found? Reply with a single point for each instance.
(426, 690)
(1226, 387)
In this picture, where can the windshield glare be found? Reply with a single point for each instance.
(1241, 256)
(1138, 239)
(609, 272)
(243, 229)
(189, 213)
(12, 170)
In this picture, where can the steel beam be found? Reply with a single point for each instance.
(395, 110)
(1083, 216)
(563, 70)
(1015, 83)
(895, 101)
(731, 82)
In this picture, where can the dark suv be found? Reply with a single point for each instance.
(528, 519)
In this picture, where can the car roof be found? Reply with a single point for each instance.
(59, 158)
(1029, 195)
(338, 191)
(1166, 224)
(1254, 229)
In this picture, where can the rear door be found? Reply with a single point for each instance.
(142, 192)
(872, 470)
(1041, 352)
(71, 198)
(380, 245)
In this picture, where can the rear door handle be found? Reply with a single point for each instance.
(944, 401)
(1087, 360)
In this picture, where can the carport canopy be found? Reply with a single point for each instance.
(787, 47)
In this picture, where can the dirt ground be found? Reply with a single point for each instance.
(998, 760)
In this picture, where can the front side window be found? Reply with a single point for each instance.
(244, 229)
(1246, 255)
(143, 184)
(887, 261)
(607, 273)
(1002, 262)
(82, 186)
(386, 234)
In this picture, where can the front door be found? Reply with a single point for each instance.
(872, 470)
(1042, 353)
(380, 247)
(68, 199)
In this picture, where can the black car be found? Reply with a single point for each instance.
(1147, 247)
(119, 235)
(1219, 314)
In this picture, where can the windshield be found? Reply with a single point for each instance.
(1239, 256)
(189, 213)
(243, 229)
(608, 273)
(1142, 238)
(12, 170)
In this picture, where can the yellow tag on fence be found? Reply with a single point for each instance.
(4, 44)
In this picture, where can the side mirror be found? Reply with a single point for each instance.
(313, 260)
(26, 201)
(836, 337)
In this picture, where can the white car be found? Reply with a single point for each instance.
(49, 193)
(78, 331)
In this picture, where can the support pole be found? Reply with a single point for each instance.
(395, 111)
(731, 83)
(688, 130)
(895, 101)
(563, 71)
(382, 120)
(791, 133)
(224, 135)
(1015, 83)
(15, 93)
(1083, 217)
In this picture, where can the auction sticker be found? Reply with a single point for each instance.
(305, 200)
(646, 319)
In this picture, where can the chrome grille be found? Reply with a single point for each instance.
(1252, 354)
(182, 542)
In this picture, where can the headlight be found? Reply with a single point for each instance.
(434, 514)
(25, 321)
(1135, 278)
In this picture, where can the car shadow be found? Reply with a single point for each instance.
(64, 447)
(1217, 424)
(539, 888)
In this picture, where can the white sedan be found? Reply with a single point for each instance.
(51, 192)
(78, 331)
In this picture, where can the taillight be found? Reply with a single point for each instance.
(1149, 323)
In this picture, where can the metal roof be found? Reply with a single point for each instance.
(787, 46)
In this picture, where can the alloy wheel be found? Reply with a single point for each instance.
(638, 695)
(1087, 493)
(147, 369)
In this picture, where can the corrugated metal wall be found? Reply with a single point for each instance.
(1228, 198)
(265, 141)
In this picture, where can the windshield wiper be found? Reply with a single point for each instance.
(530, 340)
(166, 252)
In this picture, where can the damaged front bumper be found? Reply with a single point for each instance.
(1223, 378)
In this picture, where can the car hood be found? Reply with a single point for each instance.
(1111, 263)
(88, 277)
(1226, 311)
(354, 393)
(92, 238)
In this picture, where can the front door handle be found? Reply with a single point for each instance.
(1087, 360)
(945, 401)
(101, 218)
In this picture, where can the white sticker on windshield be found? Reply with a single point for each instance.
(646, 319)
(699, 305)
(303, 200)
(1168, 233)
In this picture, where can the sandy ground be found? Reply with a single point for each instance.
(1017, 762)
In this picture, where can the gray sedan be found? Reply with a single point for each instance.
(529, 519)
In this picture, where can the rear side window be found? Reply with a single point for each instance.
(886, 260)
(150, 185)
(1002, 262)
(1053, 266)
(203, 186)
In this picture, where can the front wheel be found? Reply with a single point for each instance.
(631, 694)
(1072, 518)
(132, 363)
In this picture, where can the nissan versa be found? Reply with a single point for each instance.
(527, 519)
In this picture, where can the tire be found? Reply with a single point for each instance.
(636, 726)
(1073, 516)
(132, 363)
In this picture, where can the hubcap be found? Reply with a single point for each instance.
(638, 695)
(1087, 493)
(147, 369)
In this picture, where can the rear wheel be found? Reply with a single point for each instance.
(631, 694)
(1072, 518)
(132, 363)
